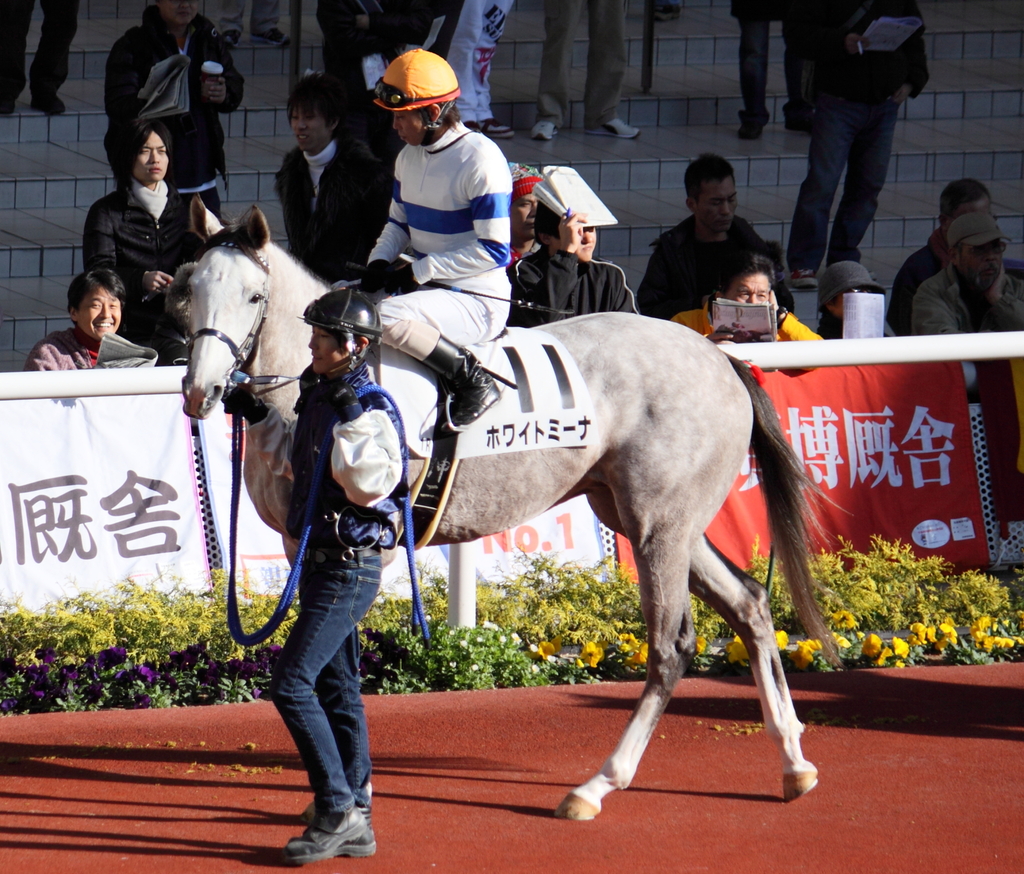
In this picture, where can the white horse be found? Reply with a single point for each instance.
(676, 418)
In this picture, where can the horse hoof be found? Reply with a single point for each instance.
(795, 785)
(574, 807)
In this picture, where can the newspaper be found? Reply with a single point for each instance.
(748, 322)
(563, 189)
(888, 34)
(863, 315)
(166, 89)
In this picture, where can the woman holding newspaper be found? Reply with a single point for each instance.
(176, 67)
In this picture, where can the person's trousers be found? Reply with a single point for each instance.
(263, 15)
(473, 46)
(606, 60)
(754, 38)
(50, 67)
(315, 685)
(857, 136)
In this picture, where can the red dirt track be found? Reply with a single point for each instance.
(920, 770)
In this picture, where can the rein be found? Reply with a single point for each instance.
(242, 352)
(287, 596)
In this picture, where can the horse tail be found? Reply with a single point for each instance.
(785, 486)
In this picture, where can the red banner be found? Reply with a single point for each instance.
(891, 448)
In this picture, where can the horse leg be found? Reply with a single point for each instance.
(743, 603)
(671, 646)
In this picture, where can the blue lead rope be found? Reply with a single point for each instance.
(288, 595)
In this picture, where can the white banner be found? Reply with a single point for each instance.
(97, 490)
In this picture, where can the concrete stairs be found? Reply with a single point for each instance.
(967, 122)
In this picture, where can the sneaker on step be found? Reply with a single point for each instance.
(750, 130)
(803, 279)
(544, 130)
(494, 129)
(473, 126)
(616, 128)
(232, 38)
(272, 37)
(666, 12)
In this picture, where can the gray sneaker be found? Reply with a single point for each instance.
(231, 37)
(332, 834)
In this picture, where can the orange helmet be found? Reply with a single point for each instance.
(416, 79)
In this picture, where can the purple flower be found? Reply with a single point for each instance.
(8, 704)
(147, 674)
(93, 693)
(46, 655)
(142, 702)
(109, 658)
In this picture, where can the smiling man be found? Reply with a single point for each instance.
(687, 263)
(334, 192)
(315, 685)
(974, 293)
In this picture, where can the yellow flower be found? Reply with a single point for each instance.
(841, 641)
(980, 627)
(918, 635)
(948, 636)
(639, 657)
(737, 652)
(702, 644)
(872, 646)
(803, 655)
(592, 653)
(882, 656)
(546, 649)
(844, 619)
(628, 643)
(1002, 642)
(781, 639)
(900, 648)
(900, 664)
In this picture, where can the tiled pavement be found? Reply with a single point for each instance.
(967, 122)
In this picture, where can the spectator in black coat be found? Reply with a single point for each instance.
(563, 275)
(168, 28)
(353, 36)
(140, 231)
(335, 193)
(688, 261)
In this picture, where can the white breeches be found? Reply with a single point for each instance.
(460, 318)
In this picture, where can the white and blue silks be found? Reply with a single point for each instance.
(451, 204)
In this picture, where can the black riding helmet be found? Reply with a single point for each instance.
(346, 313)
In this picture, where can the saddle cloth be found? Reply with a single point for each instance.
(551, 408)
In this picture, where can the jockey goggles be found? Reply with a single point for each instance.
(394, 98)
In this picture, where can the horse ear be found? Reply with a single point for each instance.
(258, 228)
(203, 223)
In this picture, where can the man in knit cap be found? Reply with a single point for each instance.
(524, 209)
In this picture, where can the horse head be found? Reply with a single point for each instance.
(225, 297)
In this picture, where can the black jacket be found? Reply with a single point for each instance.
(759, 10)
(814, 31)
(562, 283)
(399, 22)
(121, 235)
(670, 284)
(351, 208)
(198, 138)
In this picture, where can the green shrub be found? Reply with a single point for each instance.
(146, 621)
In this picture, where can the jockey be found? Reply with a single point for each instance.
(451, 206)
(356, 515)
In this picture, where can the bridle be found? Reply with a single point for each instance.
(243, 351)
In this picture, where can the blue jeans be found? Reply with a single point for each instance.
(321, 656)
(857, 136)
(754, 37)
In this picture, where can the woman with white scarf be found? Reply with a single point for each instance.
(141, 230)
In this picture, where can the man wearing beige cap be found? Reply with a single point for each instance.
(974, 293)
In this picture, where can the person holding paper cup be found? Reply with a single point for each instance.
(835, 286)
(173, 29)
(747, 282)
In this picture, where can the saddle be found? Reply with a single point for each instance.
(550, 408)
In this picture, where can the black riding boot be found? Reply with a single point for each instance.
(472, 389)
